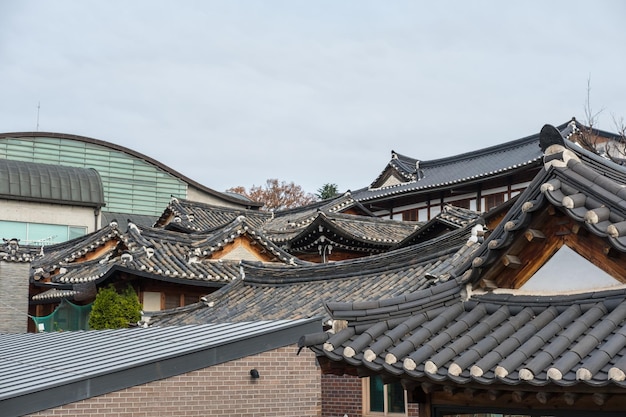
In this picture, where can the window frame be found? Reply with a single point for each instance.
(367, 402)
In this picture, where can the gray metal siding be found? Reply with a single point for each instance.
(45, 370)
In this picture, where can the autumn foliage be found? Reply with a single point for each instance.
(276, 195)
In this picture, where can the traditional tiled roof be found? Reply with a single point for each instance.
(160, 254)
(12, 251)
(193, 216)
(450, 218)
(588, 188)
(273, 291)
(445, 334)
(422, 176)
(343, 231)
(341, 222)
(301, 216)
(55, 256)
(211, 243)
(462, 333)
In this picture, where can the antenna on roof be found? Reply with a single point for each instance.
(38, 107)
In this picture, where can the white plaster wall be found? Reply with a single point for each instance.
(194, 194)
(26, 211)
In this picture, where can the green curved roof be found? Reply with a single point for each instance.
(50, 183)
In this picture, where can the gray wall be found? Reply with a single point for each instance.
(14, 296)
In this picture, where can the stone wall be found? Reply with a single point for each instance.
(14, 296)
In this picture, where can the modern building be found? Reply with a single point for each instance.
(237, 369)
(78, 183)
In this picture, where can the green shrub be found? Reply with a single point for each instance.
(112, 310)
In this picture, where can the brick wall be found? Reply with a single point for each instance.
(14, 296)
(341, 395)
(289, 385)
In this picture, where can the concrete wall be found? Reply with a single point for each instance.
(289, 385)
(194, 194)
(14, 297)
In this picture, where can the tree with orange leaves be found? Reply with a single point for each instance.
(276, 195)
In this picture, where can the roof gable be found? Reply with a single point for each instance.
(475, 331)
(571, 203)
(568, 271)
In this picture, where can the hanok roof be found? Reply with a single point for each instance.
(134, 356)
(469, 331)
(341, 222)
(11, 251)
(344, 232)
(191, 216)
(31, 181)
(450, 218)
(407, 175)
(192, 259)
(272, 291)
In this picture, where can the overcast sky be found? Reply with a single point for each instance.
(235, 92)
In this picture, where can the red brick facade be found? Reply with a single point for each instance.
(289, 385)
(341, 395)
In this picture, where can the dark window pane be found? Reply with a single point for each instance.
(191, 299)
(377, 399)
(172, 301)
(395, 398)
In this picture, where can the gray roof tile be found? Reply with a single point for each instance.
(508, 338)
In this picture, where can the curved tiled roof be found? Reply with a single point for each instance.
(144, 251)
(11, 251)
(440, 335)
(469, 167)
(191, 216)
(588, 188)
(457, 333)
(275, 291)
(449, 218)
(342, 231)
(297, 230)
(208, 243)
(50, 183)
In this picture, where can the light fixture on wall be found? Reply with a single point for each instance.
(254, 374)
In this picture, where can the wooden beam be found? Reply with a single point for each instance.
(599, 398)
(470, 393)
(493, 394)
(534, 235)
(511, 261)
(518, 396)
(543, 397)
(428, 388)
(570, 398)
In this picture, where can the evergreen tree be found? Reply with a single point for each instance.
(327, 191)
(112, 310)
